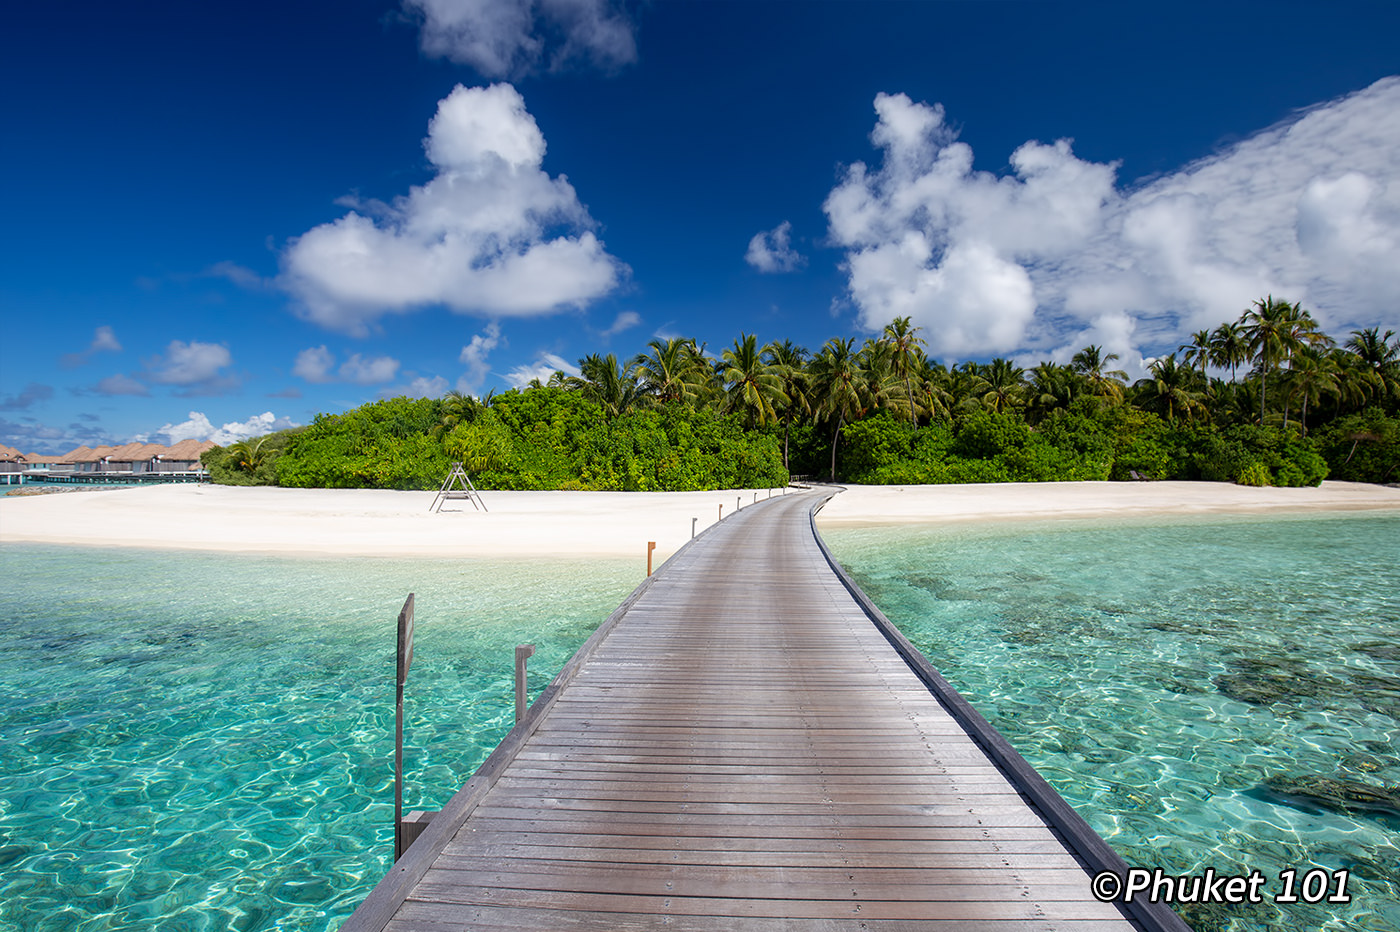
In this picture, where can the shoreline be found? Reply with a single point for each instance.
(551, 525)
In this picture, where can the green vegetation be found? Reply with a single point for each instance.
(1296, 408)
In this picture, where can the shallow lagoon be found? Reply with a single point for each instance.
(1159, 673)
(205, 740)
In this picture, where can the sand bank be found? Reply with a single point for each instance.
(550, 524)
(872, 505)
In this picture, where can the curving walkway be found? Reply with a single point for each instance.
(741, 746)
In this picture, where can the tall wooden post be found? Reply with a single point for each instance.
(405, 660)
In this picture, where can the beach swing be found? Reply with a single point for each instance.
(458, 485)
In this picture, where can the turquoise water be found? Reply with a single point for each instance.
(205, 741)
(1161, 675)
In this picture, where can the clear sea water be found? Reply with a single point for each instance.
(204, 741)
(1158, 674)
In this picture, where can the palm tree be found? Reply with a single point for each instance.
(751, 385)
(603, 380)
(1105, 383)
(836, 387)
(879, 381)
(1380, 357)
(935, 394)
(250, 453)
(1052, 387)
(673, 370)
(1229, 347)
(1311, 376)
(1198, 350)
(787, 361)
(1000, 385)
(1171, 390)
(1275, 330)
(457, 408)
(905, 356)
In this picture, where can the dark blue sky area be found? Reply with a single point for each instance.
(146, 144)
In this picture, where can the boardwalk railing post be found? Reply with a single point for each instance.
(522, 654)
(721, 511)
(405, 660)
(692, 527)
(651, 545)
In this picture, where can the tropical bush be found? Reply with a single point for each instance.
(1296, 407)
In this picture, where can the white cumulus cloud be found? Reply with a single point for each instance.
(199, 427)
(1055, 254)
(374, 371)
(771, 250)
(315, 364)
(485, 236)
(505, 38)
(194, 367)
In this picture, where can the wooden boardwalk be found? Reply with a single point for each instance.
(743, 746)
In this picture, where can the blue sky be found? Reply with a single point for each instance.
(225, 220)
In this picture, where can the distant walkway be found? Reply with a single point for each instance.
(740, 746)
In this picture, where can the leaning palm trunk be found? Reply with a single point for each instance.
(836, 439)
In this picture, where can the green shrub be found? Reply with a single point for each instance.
(1256, 474)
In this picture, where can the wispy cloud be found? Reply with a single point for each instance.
(483, 237)
(623, 322)
(544, 366)
(241, 276)
(32, 394)
(473, 357)
(1056, 255)
(512, 38)
(104, 340)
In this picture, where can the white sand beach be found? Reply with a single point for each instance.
(613, 524)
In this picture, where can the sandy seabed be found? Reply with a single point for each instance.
(581, 524)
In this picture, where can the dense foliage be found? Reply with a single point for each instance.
(1295, 409)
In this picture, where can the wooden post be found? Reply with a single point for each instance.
(405, 660)
(522, 653)
(692, 527)
(721, 511)
(651, 545)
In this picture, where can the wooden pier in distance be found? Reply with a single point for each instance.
(748, 744)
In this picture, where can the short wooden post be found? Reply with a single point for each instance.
(692, 526)
(522, 653)
(651, 545)
(737, 500)
(721, 511)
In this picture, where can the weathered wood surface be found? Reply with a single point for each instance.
(740, 748)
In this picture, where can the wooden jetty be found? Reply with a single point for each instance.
(747, 743)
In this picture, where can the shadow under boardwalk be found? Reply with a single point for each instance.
(743, 745)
